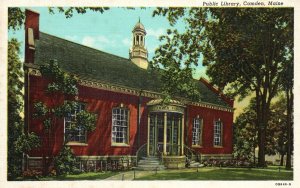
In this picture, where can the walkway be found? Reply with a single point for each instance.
(129, 175)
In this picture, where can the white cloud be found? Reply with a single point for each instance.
(156, 32)
(99, 42)
(104, 40)
(126, 42)
(88, 41)
(71, 37)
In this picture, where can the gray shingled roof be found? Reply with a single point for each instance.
(93, 64)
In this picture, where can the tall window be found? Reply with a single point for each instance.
(120, 125)
(218, 129)
(73, 132)
(136, 40)
(197, 132)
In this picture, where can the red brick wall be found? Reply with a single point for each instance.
(209, 116)
(101, 102)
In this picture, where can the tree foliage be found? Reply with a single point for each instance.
(17, 139)
(16, 15)
(246, 131)
(179, 55)
(65, 162)
(246, 50)
(15, 104)
(60, 85)
(245, 134)
(65, 85)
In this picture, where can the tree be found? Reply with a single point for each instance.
(61, 92)
(245, 134)
(18, 142)
(279, 116)
(245, 51)
(245, 131)
(16, 16)
(287, 87)
(66, 162)
(177, 56)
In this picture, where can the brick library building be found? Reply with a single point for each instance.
(133, 127)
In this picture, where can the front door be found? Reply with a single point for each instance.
(156, 136)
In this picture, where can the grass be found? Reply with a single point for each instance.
(82, 176)
(213, 173)
(207, 173)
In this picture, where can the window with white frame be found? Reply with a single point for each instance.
(218, 129)
(74, 132)
(197, 132)
(120, 125)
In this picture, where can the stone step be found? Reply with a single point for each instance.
(148, 165)
(150, 168)
(195, 164)
(152, 164)
(148, 162)
(150, 158)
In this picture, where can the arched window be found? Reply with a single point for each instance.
(136, 40)
(120, 125)
(218, 133)
(197, 132)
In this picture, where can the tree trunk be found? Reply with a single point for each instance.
(281, 159)
(258, 121)
(289, 97)
(261, 151)
(262, 119)
(254, 159)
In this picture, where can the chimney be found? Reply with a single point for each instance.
(31, 34)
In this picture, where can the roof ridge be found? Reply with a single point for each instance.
(85, 46)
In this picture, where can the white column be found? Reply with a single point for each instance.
(182, 135)
(148, 139)
(165, 133)
(178, 137)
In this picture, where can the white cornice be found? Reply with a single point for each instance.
(33, 70)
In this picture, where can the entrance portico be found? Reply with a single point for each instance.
(165, 128)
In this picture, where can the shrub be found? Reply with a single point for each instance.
(227, 163)
(32, 174)
(65, 162)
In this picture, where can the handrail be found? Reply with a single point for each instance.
(140, 152)
(190, 153)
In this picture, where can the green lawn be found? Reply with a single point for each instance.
(207, 173)
(83, 176)
(212, 173)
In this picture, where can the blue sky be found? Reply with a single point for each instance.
(110, 32)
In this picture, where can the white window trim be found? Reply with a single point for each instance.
(220, 145)
(128, 125)
(74, 143)
(200, 141)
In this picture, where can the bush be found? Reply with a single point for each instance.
(32, 174)
(227, 163)
(65, 162)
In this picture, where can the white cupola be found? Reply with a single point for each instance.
(138, 54)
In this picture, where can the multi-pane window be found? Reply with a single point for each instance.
(218, 133)
(197, 132)
(120, 125)
(74, 132)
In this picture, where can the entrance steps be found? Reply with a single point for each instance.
(151, 163)
(194, 164)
